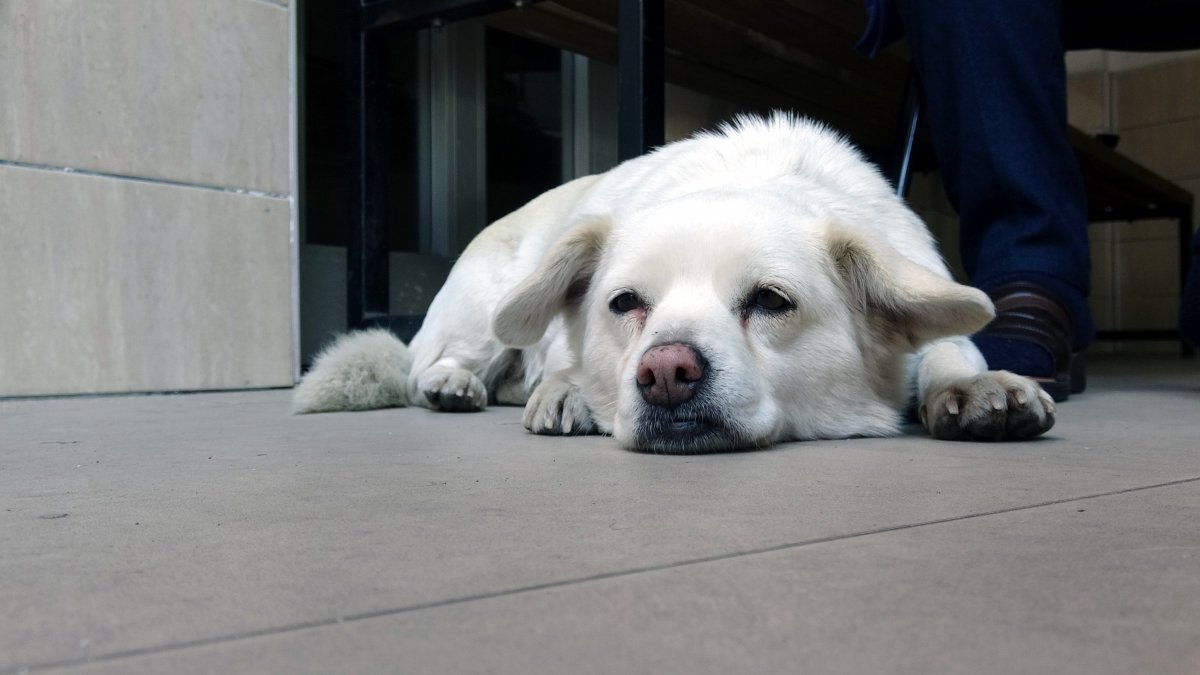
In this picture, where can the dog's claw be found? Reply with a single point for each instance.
(997, 402)
(991, 406)
(556, 407)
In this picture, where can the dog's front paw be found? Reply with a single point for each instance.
(556, 408)
(452, 389)
(992, 406)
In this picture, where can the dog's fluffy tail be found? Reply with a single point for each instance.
(359, 371)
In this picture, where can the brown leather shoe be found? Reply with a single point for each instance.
(1026, 312)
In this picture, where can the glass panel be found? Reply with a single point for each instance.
(325, 136)
(524, 121)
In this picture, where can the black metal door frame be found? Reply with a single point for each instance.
(640, 124)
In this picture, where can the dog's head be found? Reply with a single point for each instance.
(715, 321)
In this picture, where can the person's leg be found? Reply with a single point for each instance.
(1189, 304)
(994, 88)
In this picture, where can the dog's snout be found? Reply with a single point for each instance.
(667, 374)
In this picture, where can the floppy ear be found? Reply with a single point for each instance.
(912, 302)
(561, 278)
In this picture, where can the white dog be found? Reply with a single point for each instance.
(758, 284)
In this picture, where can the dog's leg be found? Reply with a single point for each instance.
(959, 399)
(455, 358)
(556, 407)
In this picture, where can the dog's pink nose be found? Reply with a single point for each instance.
(667, 374)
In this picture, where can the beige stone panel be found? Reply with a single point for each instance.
(1148, 313)
(1163, 92)
(1101, 300)
(1100, 238)
(1102, 311)
(115, 285)
(1148, 269)
(1168, 149)
(1147, 230)
(1192, 185)
(1085, 101)
(195, 92)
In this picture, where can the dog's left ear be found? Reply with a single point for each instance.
(914, 303)
(561, 277)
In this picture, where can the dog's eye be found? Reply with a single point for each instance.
(770, 301)
(626, 302)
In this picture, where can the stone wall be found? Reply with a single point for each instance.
(146, 173)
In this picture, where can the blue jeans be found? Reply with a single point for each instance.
(993, 86)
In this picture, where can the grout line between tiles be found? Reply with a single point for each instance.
(71, 171)
(321, 623)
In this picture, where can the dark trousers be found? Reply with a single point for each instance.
(994, 91)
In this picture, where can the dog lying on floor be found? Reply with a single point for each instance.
(757, 284)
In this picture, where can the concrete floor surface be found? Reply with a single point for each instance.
(216, 533)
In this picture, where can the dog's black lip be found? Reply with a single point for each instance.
(693, 425)
(677, 433)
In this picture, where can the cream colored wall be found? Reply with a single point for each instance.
(145, 196)
(1154, 105)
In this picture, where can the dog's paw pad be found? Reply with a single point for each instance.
(992, 406)
(452, 390)
(556, 408)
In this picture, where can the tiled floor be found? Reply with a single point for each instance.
(214, 533)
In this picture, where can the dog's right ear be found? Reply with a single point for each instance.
(561, 278)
